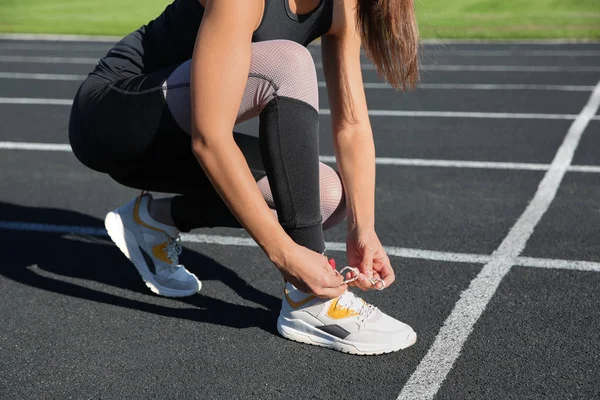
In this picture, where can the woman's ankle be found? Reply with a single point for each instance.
(160, 210)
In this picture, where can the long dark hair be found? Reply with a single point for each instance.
(390, 37)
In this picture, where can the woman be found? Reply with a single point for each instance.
(158, 112)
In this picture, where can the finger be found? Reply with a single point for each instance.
(333, 292)
(387, 274)
(363, 282)
(366, 265)
(332, 279)
(332, 286)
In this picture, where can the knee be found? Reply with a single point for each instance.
(333, 204)
(291, 69)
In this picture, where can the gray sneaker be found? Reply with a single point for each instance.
(152, 247)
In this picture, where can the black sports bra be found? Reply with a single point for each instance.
(169, 39)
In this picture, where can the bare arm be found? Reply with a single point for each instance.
(354, 146)
(220, 66)
(353, 138)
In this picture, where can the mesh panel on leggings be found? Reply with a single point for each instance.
(277, 67)
(333, 210)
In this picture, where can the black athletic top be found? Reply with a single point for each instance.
(169, 39)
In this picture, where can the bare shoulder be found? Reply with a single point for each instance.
(344, 17)
(250, 10)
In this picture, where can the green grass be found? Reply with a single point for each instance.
(86, 17)
(494, 19)
(509, 19)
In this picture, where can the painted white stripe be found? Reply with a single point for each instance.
(49, 60)
(507, 68)
(59, 38)
(558, 264)
(33, 101)
(92, 47)
(516, 42)
(460, 86)
(494, 68)
(402, 252)
(41, 77)
(584, 168)
(34, 146)
(411, 162)
(420, 162)
(520, 53)
(367, 85)
(431, 372)
(423, 162)
(492, 42)
(424, 67)
(482, 86)
(373, 113)
(461, 114)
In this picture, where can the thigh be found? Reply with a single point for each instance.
(168, 165)
(116, 120)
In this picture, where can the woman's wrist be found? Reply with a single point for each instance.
(361, 223)
(278, 248)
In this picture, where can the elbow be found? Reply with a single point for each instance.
(208, 144)
(201, 139)
(199, 146)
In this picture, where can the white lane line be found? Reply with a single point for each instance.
(462, 114)
(49, 60)
(519, 53)
(93, 47)
(34, 146)
(59, 38)
(507, 68)
(431, 372)
(34, 101)
(373, 113)
(494, 68)
(513, 42)
(42, 77)
(429, 53)
(420, 162)
(424, 67)
(367, 85)
(461, 86)
(558, 264)
(584, 168)
(482, 86)
(401, 252)
(410, 162)
(423, 162)
(492, 42)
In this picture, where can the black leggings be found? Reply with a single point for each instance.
(136, 128)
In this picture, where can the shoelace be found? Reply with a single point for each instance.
(352, 302)
(355, 275)
(173, 250)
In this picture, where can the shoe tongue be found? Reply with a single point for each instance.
(350, 301)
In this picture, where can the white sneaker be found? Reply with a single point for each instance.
(346, 323)
(152, 247)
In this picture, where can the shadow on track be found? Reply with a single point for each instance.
(32, 258)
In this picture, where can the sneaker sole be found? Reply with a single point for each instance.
(120, 235)
(310, 335)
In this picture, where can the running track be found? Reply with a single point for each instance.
(487, 199)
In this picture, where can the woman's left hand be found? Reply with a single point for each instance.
(365, 252)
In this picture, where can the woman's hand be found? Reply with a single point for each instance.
(365, 252)
(310, 272)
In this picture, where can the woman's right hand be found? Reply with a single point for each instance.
(310, 272)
